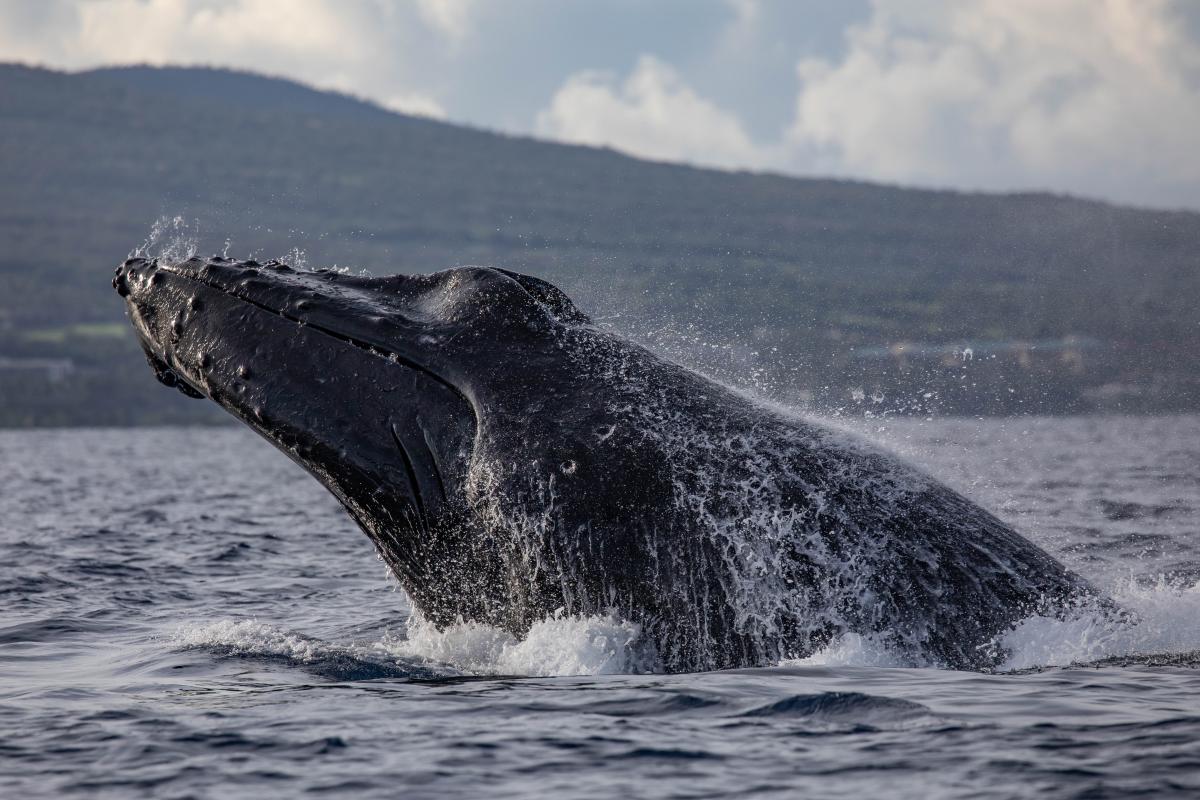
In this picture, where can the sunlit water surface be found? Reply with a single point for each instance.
(183, 612)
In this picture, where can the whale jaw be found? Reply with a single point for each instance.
(389, 438)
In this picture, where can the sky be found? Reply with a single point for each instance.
(1099, 98)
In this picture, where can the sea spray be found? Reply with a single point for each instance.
(1164, 620)
(171, 239)
(248, 637)
(558, 645)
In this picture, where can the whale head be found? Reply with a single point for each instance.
(379, 387)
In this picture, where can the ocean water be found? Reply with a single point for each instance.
(184, 613)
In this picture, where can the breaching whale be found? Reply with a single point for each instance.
(511, 460)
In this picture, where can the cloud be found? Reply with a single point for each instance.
(413, 103)
(1100, 97)
(653, 114)
(366, 49)
(452, 18)
(1094, 97)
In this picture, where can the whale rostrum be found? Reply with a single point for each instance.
(512, 460)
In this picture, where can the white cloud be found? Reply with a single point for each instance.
(450, 17)
(359, 48)
(747, 14)
(1093, 96)
(653, 114)
(413, 103)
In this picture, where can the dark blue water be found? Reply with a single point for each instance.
(185, 613)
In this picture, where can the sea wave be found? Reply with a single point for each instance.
(1163, 622)
(558, 645)
(251, 639)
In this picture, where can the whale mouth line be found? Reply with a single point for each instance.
(169, 376)
(381, 352)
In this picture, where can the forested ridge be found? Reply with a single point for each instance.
(841, 295)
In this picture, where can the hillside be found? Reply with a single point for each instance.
(827, 292)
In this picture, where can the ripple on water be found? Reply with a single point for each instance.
(229, 633)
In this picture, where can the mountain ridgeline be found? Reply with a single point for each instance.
(843, 296)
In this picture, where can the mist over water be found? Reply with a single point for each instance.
(187, 612)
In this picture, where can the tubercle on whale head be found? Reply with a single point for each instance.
(448, 324)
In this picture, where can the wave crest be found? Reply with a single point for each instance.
(557, 645)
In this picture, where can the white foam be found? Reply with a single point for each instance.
(1166, 619)
(559, 645)
(248, 637)
(852, 650)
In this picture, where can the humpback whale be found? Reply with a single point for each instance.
(512, 460)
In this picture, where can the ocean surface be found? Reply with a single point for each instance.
(185, 613)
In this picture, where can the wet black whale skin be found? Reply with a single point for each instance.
(511, 460)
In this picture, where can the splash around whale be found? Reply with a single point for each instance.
(511, 461)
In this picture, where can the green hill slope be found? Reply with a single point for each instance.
(830, 292)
